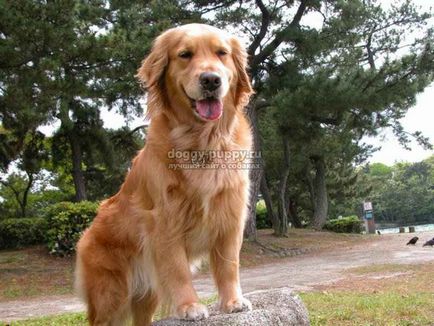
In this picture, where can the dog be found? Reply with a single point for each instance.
(137, 254)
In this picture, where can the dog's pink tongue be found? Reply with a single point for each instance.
(210, 109)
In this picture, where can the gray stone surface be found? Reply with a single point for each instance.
(275, 307)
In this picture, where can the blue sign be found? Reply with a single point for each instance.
(368, 215)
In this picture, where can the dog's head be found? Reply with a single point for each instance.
(196, 70)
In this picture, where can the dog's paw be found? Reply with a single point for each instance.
(236, 305)
(194, 311)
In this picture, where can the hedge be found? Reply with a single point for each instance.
(67, 221)
(20, 232)
(349, 224)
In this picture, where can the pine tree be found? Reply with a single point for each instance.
(346, 81)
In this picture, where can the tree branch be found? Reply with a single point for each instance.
(370, 52)
(265, 22)
(261, 103)
(23, 203)
(282, 36)
(328, 121)
(137, 129)
(16, 192)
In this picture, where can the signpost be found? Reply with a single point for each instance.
(367, 206)
(368, 214)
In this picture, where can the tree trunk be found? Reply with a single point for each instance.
(66, 106)
(292, 213)
(320, 193)
(23, 204)
(77, 172)
(283, 214)
(255, 177)
(265, 191)
(255, 61)
(250, 228)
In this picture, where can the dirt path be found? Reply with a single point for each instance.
(300, 273)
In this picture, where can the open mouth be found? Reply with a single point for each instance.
(209, 108)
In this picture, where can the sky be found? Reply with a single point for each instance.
(418, 118)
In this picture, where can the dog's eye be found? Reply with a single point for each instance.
(221, 52)
(185, 54)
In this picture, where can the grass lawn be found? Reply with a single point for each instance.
(376, 295)
(353, 308)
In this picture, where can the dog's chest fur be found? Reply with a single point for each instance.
(211, 160)
(212, 166)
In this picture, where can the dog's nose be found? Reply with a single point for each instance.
(210, 81)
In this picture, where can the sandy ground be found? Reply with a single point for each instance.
(300, 273)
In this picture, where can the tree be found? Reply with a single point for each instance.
(17, 186)
(327, 86)
(64, 61)
(407, 196)
(401, 194)
(30, 162)
(105, 176)
(341, 58)
(337, 94)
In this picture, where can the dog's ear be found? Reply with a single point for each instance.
(152, 69)
(151, 74)
(244, 88)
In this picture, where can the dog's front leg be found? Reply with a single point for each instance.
(175, 280)
(225, 267)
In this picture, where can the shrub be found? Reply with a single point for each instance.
(262, 221)
(349, 224)
(19, 232)
(66, 223)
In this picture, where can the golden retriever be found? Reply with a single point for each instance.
(181, 200)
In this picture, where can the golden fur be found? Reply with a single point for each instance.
(139, 249)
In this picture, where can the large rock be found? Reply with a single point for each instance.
(270, 307)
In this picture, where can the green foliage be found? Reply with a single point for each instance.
(348, 224)
(379, 170)
(15, 187)
(337, 84)
(46, 189)
(407, 196)
(12, 189)
(262, 220)
(104, 178)
(67, 221)
(20, 232)
(324, 86)
(62, 61)
(401, 194)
